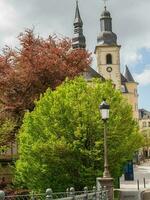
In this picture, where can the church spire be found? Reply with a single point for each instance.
(78, 40)
(106, 20)
(77, 15)
(106, 36)
(128, 75)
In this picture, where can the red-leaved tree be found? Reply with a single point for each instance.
(37, 64)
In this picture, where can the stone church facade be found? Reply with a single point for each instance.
(107, 53)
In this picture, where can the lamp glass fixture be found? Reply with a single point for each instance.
(104, 109)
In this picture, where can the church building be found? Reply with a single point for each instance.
(107, 52)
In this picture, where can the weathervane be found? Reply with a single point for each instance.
(105, 3)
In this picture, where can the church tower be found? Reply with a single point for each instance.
(108, 51)
(78, 40)
(130, 91)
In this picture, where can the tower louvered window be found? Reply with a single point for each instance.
(108, 59)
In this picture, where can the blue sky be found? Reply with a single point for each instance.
(141, 72)
(131, 21)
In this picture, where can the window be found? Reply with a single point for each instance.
(123, 88)
(108, 59)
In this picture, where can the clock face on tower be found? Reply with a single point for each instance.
(109, 69)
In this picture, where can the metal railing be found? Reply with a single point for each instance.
(70, 194)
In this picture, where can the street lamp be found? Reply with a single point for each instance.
(104, 110)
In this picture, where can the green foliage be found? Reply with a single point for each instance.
(146, 140)
(61, 141)
(6, 132)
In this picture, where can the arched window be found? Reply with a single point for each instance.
(108, 59)
(123, 89)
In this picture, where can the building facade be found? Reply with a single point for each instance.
(144, 124)
(107, 52)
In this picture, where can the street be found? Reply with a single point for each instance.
(140, 172)
(131, 190)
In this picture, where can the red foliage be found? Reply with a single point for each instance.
(39, 63)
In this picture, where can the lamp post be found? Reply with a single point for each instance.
(104, 109)
(106, 181)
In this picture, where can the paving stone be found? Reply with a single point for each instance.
(130, 195)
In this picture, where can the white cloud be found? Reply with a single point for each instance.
(7, 15)
(130, 56)
(130, 20)
(10, 41)
(143, 78)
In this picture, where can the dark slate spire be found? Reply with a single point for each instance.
(106, 36)
(128, 75)
(78, 41)
(106, 20)
(77, 19)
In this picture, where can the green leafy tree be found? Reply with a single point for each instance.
(146, 141)
(61, 141)
(6, 132)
